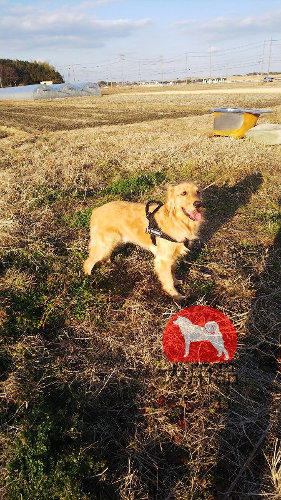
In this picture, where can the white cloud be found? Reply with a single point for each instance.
(184, 24)
(94, 3)
(228, 28)
(104, 2)
(24, 27)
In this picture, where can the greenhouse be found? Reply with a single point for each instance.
(54, 91)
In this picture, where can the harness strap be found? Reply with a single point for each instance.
(153, 229)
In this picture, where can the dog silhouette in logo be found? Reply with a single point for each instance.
(195, 333)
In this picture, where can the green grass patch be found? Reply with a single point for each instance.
(203, 288)
(37, 260)
(58, 293)
(45, 461)
(81, 219)
(271, 218)
(64, 443)
(45, 195)
(136, 185)
(129, 189)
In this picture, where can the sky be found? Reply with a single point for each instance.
(134, 40)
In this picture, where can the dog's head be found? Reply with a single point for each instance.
(212, 327)
(184, 201)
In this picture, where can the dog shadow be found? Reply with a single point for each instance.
(253, 415)
(221, 204)
(108, 419)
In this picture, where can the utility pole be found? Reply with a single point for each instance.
(269, 57)
(210, 63)
(262, 60)
(139, 72)
(162, 78)
(186, 67)
(122, 57)
(107, 74)
(74, 79)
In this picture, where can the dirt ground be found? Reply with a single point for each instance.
(235, 91)
(124, 106)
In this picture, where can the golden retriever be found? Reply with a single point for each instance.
(119, 222)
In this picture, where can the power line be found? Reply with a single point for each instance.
(249, 56)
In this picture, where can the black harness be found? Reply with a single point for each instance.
(153, 229)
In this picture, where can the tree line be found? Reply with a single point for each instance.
(14, 73)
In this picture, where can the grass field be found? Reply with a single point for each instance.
(91, 408)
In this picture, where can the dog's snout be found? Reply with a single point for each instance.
(197, 204)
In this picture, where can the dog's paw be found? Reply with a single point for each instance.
(179, 297)
(87, 266)
(178, 282)
(195, 245)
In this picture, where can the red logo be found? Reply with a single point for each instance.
(199, 334)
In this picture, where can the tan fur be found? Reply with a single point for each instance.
(125, 222)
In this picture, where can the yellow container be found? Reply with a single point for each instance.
(235, 122)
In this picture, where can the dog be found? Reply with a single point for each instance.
(195, 333)
(120, 222)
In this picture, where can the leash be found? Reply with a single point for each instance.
(153, 229)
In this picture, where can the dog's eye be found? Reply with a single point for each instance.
(184, 193)
(198, 192)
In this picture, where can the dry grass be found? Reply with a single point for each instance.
(274, 462)
(91, 407)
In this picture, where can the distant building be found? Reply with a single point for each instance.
(47, 82)
(151, 83)
(214, 80)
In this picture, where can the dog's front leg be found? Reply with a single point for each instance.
(165, 275)
(176, 281)
(187, 346)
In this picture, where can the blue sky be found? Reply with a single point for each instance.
(138, 39)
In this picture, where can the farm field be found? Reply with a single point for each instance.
(91, 408)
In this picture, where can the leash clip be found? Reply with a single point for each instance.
(155, 232)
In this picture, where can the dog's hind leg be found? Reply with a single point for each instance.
(100, 249)
(226, 355)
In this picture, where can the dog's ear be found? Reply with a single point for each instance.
(170, 199)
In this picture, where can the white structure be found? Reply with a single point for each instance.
(195, 333)
(34, 92)
(214, 80)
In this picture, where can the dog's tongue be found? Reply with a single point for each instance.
(195, 215)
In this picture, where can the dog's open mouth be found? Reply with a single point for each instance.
(194, 215)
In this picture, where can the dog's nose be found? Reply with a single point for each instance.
(197, 204)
